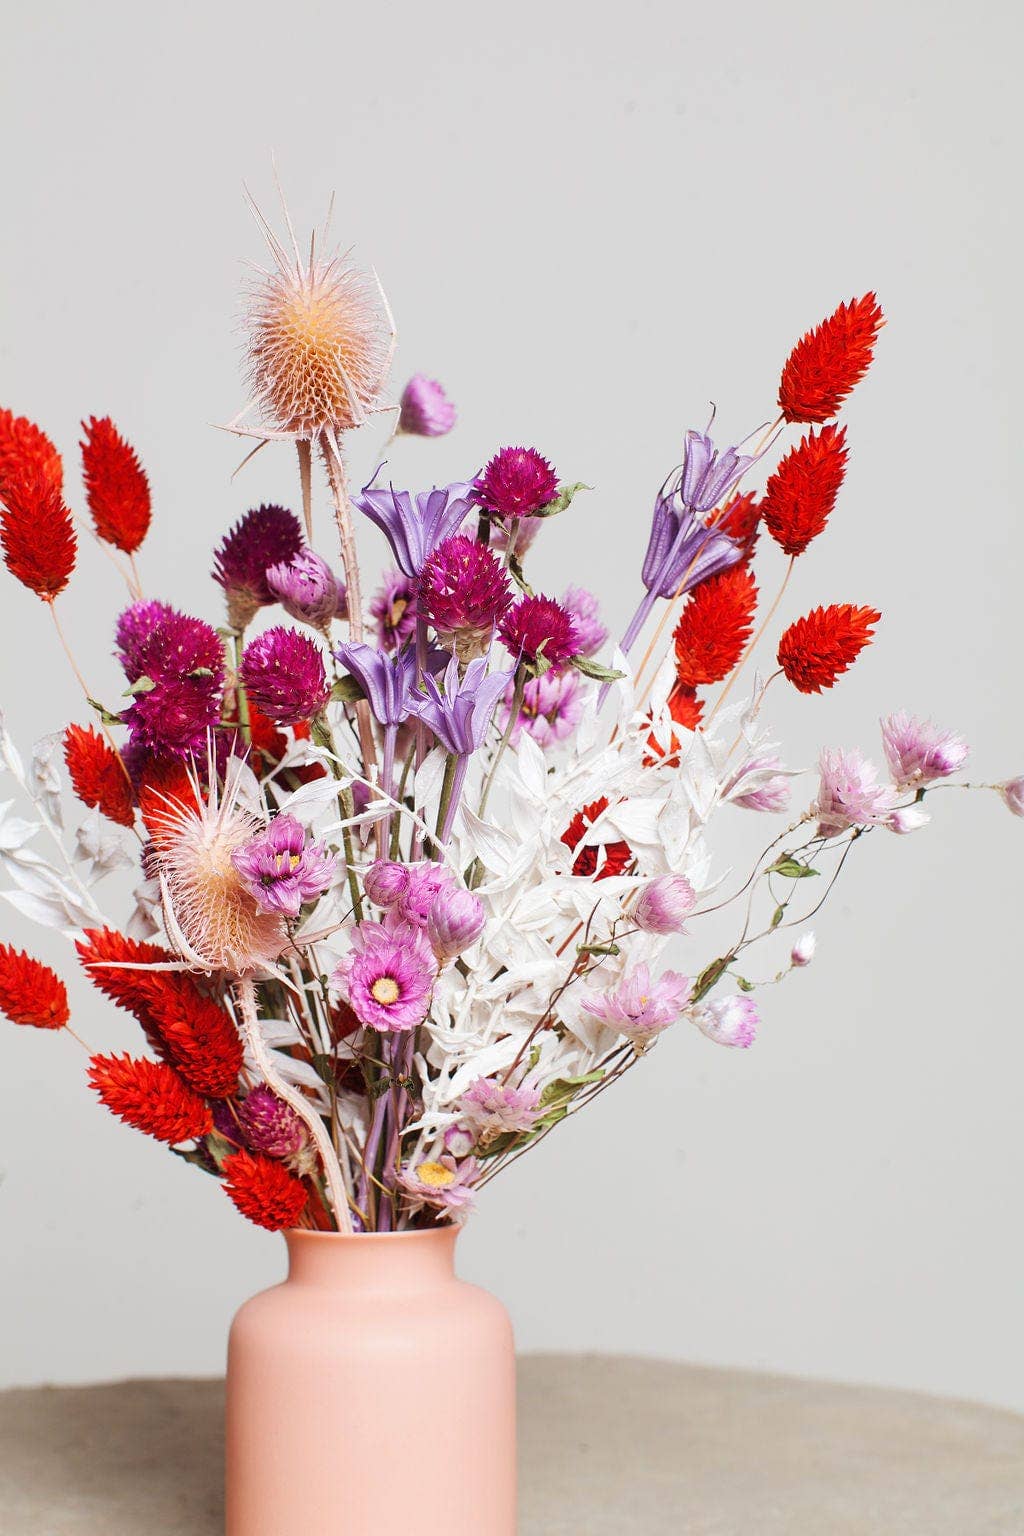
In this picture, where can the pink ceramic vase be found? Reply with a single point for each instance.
(371, 1394)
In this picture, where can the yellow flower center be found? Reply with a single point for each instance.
(435, 1175)
(385, 990)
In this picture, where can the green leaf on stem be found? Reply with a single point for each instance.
(591, 668)
(347, 691)
(792, 869)
(563, 500)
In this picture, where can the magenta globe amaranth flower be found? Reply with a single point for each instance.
(393, 610)
(640, 1007)
(919, 752)
(463, 592)
(307, 589)
(551, 709)
(266, 536)
(134, 627)
(517, 482)
(728, 1021)
(267, 1124)
(283, 869)
(455, 920)
(585, 611)
(283, 674)
(664, 904)
(177, 677)
(540, 630)
(426, 410)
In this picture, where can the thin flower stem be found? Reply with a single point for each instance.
(62, 637)
(518, 692)
(241, 697)
(753, 643)
(350, 560)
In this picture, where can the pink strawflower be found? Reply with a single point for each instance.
(264, 537)
(551, 709)
(802, 952)
(282, 870)
(283, 673)
(307, 589)
(664, 904)
(393, 610)
(538, 628)
(516, 483)
(728, 1021)
(268, 1125)
(1013, 793)
(641, 1008)
(585, 612)
(493, 1108)
(389, 978)
(426, 410)
(455, 920)
(918, 751)
(464, 590)
(760, 784)
(177, 670)
(849, 794)
(443, 1182)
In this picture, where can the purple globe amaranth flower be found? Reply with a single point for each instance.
(282, 870)
(133, 629)
(406, 891)
(426, 410)
(414, 524)
(802, 952)
(459, 708)
(849, 794)
(266, 536)
(639, 1007)
(728, 1021)
(493, 1108)
(1013, 794)
(539, 629)
(551, 709)
(393, 610)
(759, 784)
(919, 752)
(387, 681)
(307, 589)
(664, 904)
(269, 1125)
(463, 592)
(585, 612)
(444, 1183)
(389, 978)
(283, 674)
(456, 920)
(517, 482)
(177, 675)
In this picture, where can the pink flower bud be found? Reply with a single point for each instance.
(385, 883)
(908, 818)
(1013, 793)
(802, 952)
(426, 410)
(728, 1021)
(665, 904)
(459, 1141)
(455, 920)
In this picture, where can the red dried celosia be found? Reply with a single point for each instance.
(30, 993)
(714, 627)
(36, 533)
(264, 1190)
(815, 650)
(26, 447)
(801, 494)
(98, 776)
(151, 1097)
(116, 487)
(826, 363)
(597, 859)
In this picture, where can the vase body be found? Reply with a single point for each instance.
(372, 1393)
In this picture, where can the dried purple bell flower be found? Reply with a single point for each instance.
(307, 589)
(415, 523)
(393, 609)
(426, 410)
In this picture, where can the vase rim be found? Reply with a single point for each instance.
(420, 1234)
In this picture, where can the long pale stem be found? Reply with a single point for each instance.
(754, 641)
(295, 1100)
(62, 637)
(305, 452)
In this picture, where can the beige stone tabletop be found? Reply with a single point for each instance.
(608, 1446)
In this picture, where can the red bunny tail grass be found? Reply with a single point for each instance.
(687, 711)
(801, 494)
(714, 627)
(739, 518)
(598, 859)
(826, 363)
(106, 956)
(116, 487)
(264, 1190)
(150, 1097)
(167, 797)
(30, 993)
(196, 1035)
(36, 535)
(97, 774)
(817, 649)
(26, 449)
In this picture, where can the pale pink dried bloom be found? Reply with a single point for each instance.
(443, 1183)
(759, 784)
(664, 904)
(849, 794)
(728, 1021)
(802, 952)
(640, 1007)
(494, 1108)
(1013, 793)
(919, 751)
(907, 818)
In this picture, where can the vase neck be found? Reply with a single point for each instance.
(400, 1261)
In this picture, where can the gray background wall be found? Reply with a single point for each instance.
(589, 224)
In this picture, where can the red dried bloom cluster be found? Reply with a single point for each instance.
(714, 627)
(263, 1190)
(817, 649)
(826, 363)
(687, 711)
(151, 1097)
(30, 993)
(166, 796)
(36, 534)
(739, 518)
(187, 1028)
(25, 448)
(597, 859)
(98, 775)
(801, 494)
(116, 487)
